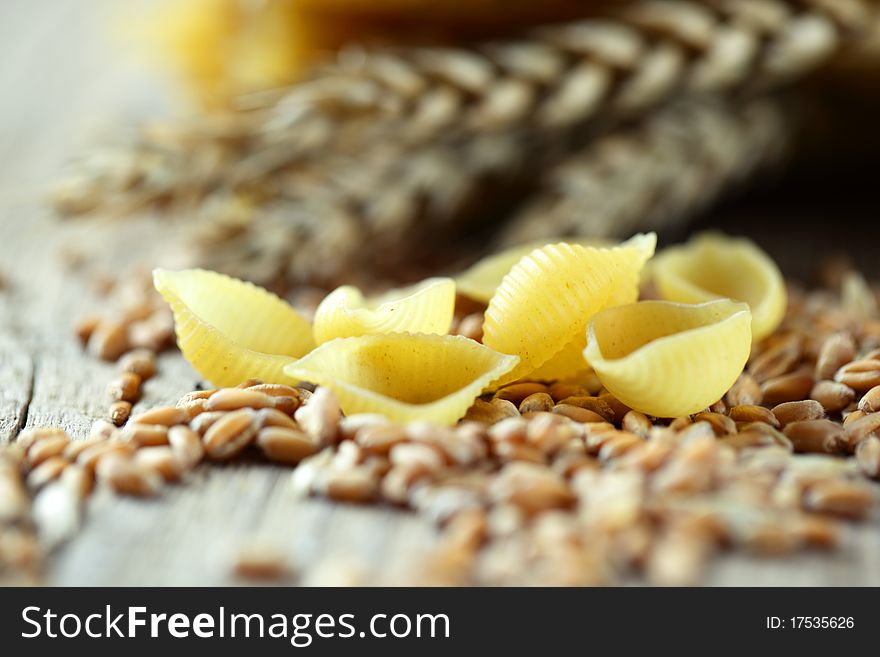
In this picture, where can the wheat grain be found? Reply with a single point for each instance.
(517, 392)
(286, 445)
(108, 340)
(849, 499)
(832, 395)
(126, 387)
(162, 460)
(141, 362)
(47, 471)
(868, 455)
(870, 401)
(353, 485)
(48, 447)
(187, 446)
(536, 403)
(319, 416)
(144, 435)
(579, 496)
(231, 399)
(119, 412)
(230, 434)
(860, 428)
(260, 560)
(598, 405)
(92, 456)
(815, 436)
(124, 476)
(795, 411)
(166, 416)
(860, 375)
(751, 413)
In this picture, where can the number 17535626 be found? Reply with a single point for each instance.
(810, 622)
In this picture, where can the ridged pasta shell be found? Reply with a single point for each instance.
(426, 307)
(404, 376)
(546, 300)
(230, 330)
(713, 266)
(480, 280)
(567, 363)
(670, 359)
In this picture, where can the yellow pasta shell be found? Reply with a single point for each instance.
(404, 376)
(230, 330)
(481, 279)
(713, 266)
(670, 359)
(546, 300)
(567, 363)
(423, 308)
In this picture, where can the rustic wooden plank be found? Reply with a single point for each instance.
(856, 563)
(173, 539)
(186, 536)
(62, 400)
(16, 378)
(183, 537)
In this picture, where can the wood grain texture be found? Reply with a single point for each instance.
(16, 379)
(69, 82)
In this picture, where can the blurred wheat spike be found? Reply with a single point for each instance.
(659, 171)
(664, 170)
(567, 75)
(393, 143)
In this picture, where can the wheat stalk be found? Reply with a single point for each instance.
(562, 77)
(579, 75)
(367, 214)
(661, 172)
(349, 170)
(390, 217)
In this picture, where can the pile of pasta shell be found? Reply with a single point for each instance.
(554, 312)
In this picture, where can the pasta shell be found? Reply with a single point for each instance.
(230, 330)
(423, 308)
(670, 359)
(546, 300)
(713, 266)
(404, 376)
(568, 362)
(481, 279)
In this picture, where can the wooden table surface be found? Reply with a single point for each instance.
(67, 79)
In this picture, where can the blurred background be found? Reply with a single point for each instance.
(309, 142)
